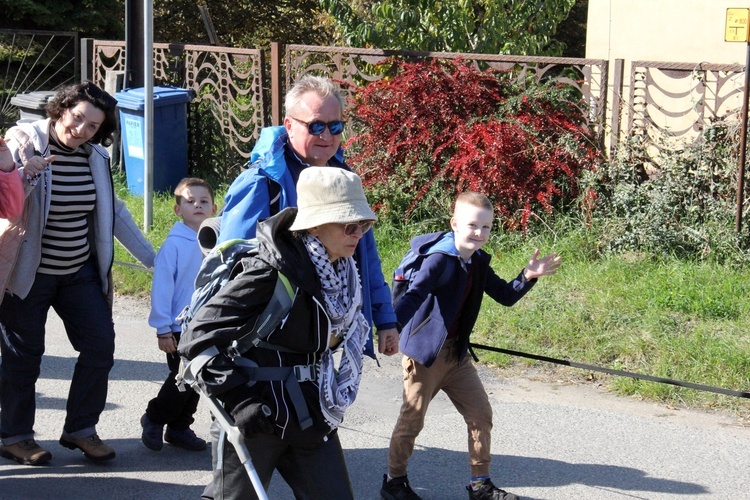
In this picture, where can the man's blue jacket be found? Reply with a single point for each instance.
(248, 201)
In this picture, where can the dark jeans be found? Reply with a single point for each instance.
(78, 300)
(172, 406)
(319, 473)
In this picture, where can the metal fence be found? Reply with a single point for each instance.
(233, 85)
(359, 66)
(229, 109)
(239, 91)
(34, 60)
(676, 101)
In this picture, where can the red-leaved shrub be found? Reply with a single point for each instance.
(437, 128)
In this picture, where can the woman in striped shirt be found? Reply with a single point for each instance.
(62, 258)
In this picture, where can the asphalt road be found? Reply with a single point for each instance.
(552, 440)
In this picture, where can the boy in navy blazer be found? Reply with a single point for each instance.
(438, 319)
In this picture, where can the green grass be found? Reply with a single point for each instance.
(131, 278)
(683, 320)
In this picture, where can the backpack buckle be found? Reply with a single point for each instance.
(232, 351)
(305, 373)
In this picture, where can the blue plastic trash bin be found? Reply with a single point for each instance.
(170, 136)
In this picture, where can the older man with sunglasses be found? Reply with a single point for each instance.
(310, 136)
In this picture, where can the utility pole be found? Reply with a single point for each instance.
(134, 43)
(737, 29)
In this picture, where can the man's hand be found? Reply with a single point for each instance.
(388, 341)
(546, 266)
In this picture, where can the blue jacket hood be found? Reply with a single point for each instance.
(439, 242)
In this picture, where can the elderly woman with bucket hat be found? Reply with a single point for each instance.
(313, 247)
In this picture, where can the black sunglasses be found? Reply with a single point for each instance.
(94, 94)
(317, 127)
(364, 226)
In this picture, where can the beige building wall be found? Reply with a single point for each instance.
(662, 30)
(675, 31)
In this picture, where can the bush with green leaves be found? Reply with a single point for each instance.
(437, 128)
(487, 26)
(679, 202)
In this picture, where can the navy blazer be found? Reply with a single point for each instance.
(427, 311)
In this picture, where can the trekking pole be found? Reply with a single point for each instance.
(234, 437)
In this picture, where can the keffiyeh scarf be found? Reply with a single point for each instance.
(343, 304)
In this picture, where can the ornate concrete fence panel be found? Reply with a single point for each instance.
(670, 103)
(358, 66)
(228, 111)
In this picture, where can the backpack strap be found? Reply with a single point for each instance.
(286, 374)
(188, 371)
(291, 376)
(274, 191)
(273, 315)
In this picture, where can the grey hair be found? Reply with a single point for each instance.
(322, 86)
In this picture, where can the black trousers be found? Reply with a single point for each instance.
(171, 406)
(318, 473)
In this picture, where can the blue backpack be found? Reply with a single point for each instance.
(410, 265)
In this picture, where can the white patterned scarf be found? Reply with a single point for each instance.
(343, 303)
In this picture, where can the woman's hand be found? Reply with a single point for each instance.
(36, 165)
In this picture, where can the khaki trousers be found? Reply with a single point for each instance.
(460, 382)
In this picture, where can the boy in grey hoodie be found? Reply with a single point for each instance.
(175, 268)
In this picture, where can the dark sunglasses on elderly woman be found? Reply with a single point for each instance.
(364, 226)
(317, 127)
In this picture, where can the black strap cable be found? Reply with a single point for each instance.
(621, 373)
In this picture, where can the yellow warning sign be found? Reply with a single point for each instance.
(736, 29)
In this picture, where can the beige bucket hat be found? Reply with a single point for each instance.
(330, 194)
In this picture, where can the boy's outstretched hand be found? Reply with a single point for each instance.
(546, 266)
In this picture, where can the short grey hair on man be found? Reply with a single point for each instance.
(322, 86)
